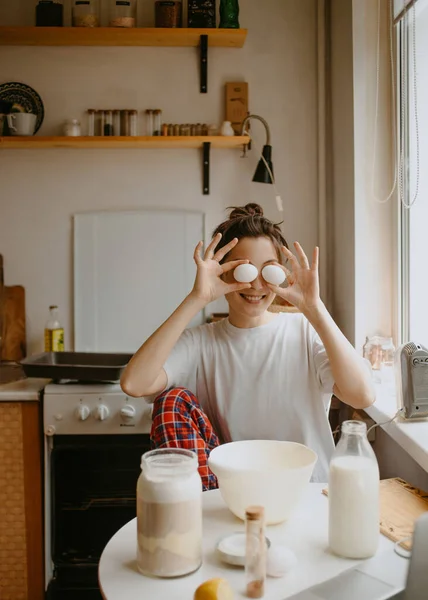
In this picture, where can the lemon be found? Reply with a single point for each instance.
(214, 589)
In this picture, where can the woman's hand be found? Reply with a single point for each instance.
(303, 281)
(209, 284)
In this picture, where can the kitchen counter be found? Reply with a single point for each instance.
(22, 390)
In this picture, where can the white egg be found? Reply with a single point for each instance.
(280, 560)
(245, 273)
(273, 274)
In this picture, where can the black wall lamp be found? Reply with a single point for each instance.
(264, 171)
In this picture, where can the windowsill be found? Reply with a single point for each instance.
(412, 436)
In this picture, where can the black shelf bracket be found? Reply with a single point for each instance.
(206, 167)
(203, 48)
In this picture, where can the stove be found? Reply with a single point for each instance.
(94, 438)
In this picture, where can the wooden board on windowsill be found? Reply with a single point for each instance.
(118, 142)
(401, 505)
(118, 36)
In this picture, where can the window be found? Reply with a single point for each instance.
(412, 63)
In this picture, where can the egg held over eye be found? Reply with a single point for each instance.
(273, 274)
(245, 273)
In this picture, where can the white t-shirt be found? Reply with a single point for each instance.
(271, 382)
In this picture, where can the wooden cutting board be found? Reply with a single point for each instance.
(401, 505)
(13, 344)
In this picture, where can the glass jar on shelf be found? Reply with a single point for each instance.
(49, 13)
(157, 122)
(149, 122)
(122, 13)
(133, 123)
(85, 13)
(91, 122)
(116, 122)
(108, 125)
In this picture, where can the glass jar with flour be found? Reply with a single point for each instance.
(169, 513)
(353, 493)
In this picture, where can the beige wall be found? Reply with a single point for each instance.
(363, 230)
(41, 189)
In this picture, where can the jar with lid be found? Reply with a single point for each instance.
(353, 494)
(122, 13)
(168, 13)
(157, 122)
(49, 13)
(255, 551)
(149, 122)
(133, 122)
(72, 128)
(116, 122)
(85, 13)
(169, 513)
(91, 121)
(108, 124)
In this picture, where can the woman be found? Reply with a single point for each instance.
(257, 374)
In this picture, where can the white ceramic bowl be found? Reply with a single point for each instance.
(262, 472)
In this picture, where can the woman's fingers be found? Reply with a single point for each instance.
(228, 266)
(223, 251)
(315, 258)
(209, 252)
(197, 253)
(290, 256)
(302, 256)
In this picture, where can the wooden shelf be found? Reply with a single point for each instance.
(116, 36)
(114, 143)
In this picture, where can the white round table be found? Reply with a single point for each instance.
(305, 533)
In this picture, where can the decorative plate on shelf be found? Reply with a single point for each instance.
(23, 99)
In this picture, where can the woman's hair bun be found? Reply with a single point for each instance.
(249, 210)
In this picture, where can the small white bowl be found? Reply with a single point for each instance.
(231, 549)
(267, 473)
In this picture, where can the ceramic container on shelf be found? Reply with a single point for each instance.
(72, 128)
(227, 129)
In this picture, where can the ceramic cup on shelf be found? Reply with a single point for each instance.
(227, 129)
(21, 123)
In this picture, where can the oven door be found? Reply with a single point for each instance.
(93, 485)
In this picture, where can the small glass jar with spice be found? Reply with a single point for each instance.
(116, 122)
(91, 122)
(133, 122)
(85, 13)
(122, 13)
(168, 13)
(255, 552)
(108, 125)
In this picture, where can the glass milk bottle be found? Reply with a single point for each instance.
(353, 494)
(169, 513)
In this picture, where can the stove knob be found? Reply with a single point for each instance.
(82, 412)
(102, 412)
(50, 430)
(127, 412)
